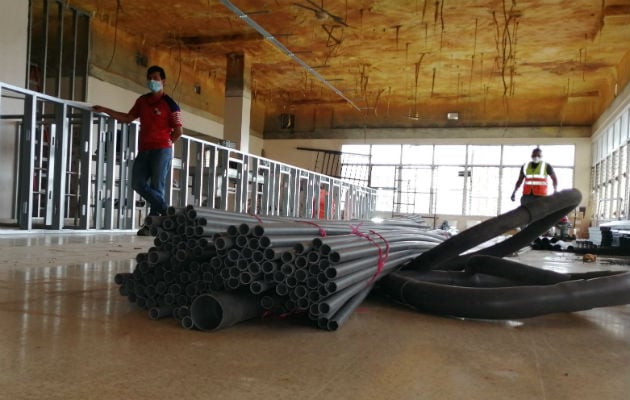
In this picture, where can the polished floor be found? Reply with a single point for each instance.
(67, 334)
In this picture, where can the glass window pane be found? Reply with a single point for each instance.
(384, 200)
(356, 148)
(356, 173)
(417, 154)
(450, 155)
(383, 177)
(560, 155)
(517, 155)
(449, 190)
(351, 154)
(565, 178)
(355, 160)
(509, 178)
(421, 204)
(414, 190)
(625, 126)
(484, 194)
(386, 154)
(484, 155)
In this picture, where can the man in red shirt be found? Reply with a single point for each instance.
(160, 127)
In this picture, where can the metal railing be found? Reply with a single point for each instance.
(73, 171)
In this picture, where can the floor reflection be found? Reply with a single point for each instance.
(68, 334)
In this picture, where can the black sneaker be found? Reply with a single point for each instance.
(144, 231)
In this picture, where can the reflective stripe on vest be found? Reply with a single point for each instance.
(535, 179)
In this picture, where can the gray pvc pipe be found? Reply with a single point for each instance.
(168, 224)
(254, 268)
(347, 309)
(156, 257)
(187, 322)
(269, 267)
(215, 311)
(258, 287)
(301, 229)
(300, 261)
(271, 253)
(282, 289)
(343, 269)
(156, 313)
(371, 250)
(154, 220)
(267, 302)
(338, 299)
(302, 247)
(284, 240)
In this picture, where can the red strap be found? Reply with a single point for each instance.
(322, 232)
(257, 217)
(382, 258)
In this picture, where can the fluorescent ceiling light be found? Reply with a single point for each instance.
(452, 116)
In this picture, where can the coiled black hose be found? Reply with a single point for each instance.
(538, 215)
(482, 285)
(509, 302)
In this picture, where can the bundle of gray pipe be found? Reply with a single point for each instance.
(211, 269)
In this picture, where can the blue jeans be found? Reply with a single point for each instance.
(148, 177)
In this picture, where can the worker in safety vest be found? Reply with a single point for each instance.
(534, 175)
(321, 210)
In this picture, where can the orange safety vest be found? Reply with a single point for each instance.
(535, 179)
(321, 211)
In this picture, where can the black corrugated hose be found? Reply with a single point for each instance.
(483, 285)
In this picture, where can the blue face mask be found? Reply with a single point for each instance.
(154, 86)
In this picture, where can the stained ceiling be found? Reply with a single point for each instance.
(401, 63)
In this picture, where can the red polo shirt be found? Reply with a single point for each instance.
(158, 117)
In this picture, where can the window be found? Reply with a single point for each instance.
(449, 179)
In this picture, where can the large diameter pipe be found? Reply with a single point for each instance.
(513, 270)
(540, 209)
(211, 312)
(510, 302)
(457, 278)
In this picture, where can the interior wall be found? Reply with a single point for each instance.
(13, 42)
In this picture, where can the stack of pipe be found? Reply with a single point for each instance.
(210, 269)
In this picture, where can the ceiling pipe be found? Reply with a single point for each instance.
(268, 36)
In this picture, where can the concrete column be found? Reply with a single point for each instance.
(238, 100)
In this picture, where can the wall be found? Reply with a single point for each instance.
(13, 34)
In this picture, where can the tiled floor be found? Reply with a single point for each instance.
(67, 334)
